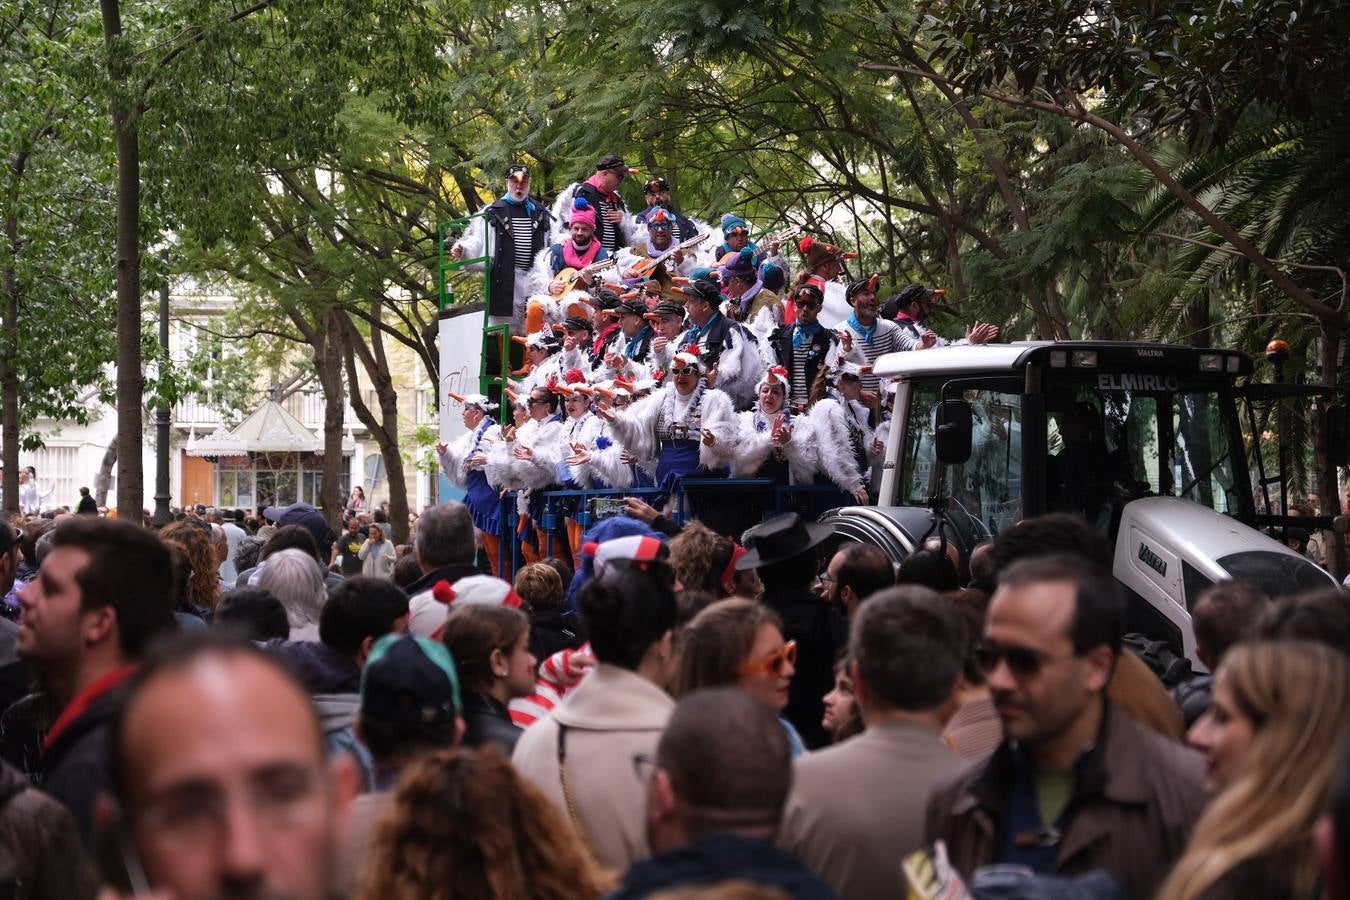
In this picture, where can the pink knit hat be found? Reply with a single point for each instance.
(583, 213)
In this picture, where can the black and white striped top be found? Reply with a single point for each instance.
(522, 236)
(605, 230)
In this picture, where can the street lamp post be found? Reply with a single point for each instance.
(162, 515)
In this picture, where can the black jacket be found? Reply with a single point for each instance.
(552, 630)
(486, 721)
(74, 766)
(444, 573)
(502, 274)
(320, 668)
(723, 857)
(610, 236)
(780, 341)
(820, 633)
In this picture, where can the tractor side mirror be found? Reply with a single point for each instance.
(1336, 427)
(954, 425)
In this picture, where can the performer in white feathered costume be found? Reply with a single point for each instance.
(542, 356)
(604, 462)
(627, 351)
(463, 461)
(774, 443)
(727, 344)
(842, 438)
(526, 460)
(684, 428)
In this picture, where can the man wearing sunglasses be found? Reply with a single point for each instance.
(601, 192)
(657, 194)
(1077, 784)
(803, 346)
(728, 344)
(519, 230)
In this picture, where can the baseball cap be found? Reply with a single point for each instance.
(304, 515)
(409, 682)
(614, 161)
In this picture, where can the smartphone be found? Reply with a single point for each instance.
(607, 507)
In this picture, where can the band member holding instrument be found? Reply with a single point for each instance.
(517, 231)
(634, 261)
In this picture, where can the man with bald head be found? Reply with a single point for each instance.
(217, 763)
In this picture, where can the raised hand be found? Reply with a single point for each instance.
(605, 412)
(440, 448)
(709, 438)
(523, 453)
(641, 510)
(509, 433)
(616, 361)
(928, 340)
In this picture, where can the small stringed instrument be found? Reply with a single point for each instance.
(644, 268)
(570, 276)
(779, 237)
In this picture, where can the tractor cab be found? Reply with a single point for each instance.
(1144, 441)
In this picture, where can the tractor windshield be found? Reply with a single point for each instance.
(1113, 437)
(1109, 438)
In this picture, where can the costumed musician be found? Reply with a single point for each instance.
(728, 346)
(463, 461)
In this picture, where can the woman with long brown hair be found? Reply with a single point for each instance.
(465, 826)
(1271, 739)
(739, 643)
(491, 647)
(204, 584)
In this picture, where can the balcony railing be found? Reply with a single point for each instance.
(307, 407)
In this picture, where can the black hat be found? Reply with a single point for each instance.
(666, 308)
(409, 682)
(517, 169)
(304, 515)
(633, 307)
(606, 298)
(905, 298)
(862, 284)
(613, 161)
(577, 323)
(656, 184)
(781, 538)
(704, 290)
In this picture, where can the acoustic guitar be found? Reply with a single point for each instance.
(644, 268)
(570, 276)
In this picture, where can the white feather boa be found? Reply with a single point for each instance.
(756, 445)
(455, 460)
(635, 428)
(833, 452)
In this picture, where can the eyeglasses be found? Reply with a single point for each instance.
(1023, 662)
(538, 401)
(659, 226)
(685, 370)
(774, 664)
(278, 798)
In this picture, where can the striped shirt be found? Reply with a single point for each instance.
(522, 236)
(801, 389)
(886, 339)
(606, 231)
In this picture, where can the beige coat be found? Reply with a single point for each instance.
(610, 716)
(857, 809)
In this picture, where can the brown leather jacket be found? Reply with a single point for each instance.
(1131, 813)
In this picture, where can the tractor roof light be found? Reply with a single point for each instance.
(1084, 359)
(1232, 364)
(1059, 359)
(1211, 362)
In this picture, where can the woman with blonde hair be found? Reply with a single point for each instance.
(739, 643)
(1271, 739)
(465, 826)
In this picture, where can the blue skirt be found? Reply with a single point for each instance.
(677, 459)
(483, 502)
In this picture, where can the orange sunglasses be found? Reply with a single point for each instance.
(773, 665)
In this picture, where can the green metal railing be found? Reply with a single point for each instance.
(492, 381)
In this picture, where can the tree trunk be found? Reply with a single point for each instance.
(130, 379)
(9, 347)
(385, 429)
(328, 365)
(104, 476)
